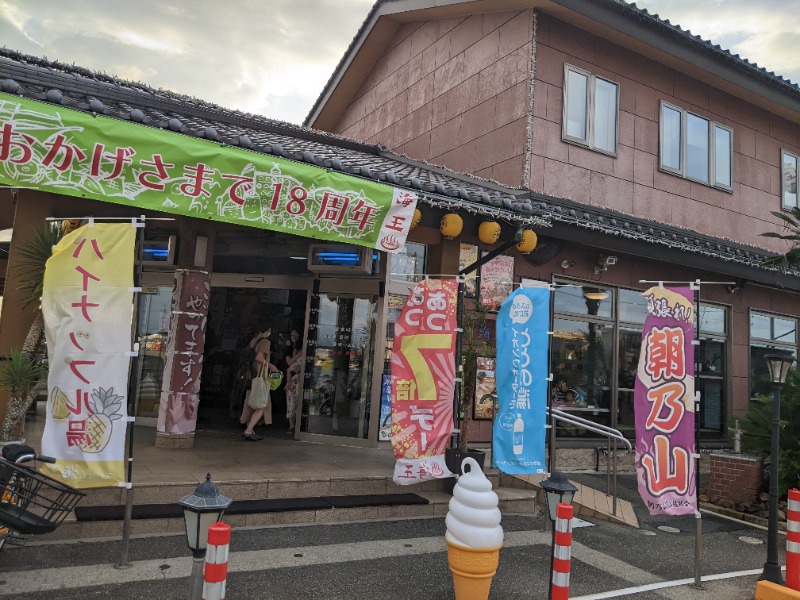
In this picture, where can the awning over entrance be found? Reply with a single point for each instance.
(70, 152)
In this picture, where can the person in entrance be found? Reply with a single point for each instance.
(262, 345)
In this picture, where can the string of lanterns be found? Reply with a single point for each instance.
(452, 224)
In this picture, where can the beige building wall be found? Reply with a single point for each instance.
(631, 182)
(451, 91)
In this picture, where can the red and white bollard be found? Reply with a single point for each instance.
(216, 571)
(793, 541)
(562, 552)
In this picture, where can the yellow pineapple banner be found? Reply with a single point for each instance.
(87, 305)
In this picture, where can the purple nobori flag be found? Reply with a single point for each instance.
(664, 404)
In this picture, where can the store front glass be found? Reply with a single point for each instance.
(152, 326)
(338, 379)
(597, 339)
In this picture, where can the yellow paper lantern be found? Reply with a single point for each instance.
(451, 226)
(416, 218)
(489, 232)
(528, 242)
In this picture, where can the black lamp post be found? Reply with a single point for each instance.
(557, 489)
(201, 509)
(778, 368)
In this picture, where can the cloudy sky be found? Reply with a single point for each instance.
(273, 57)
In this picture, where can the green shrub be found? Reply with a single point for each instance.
(757, 424)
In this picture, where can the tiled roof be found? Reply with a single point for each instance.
(696, 40)
(80, 89)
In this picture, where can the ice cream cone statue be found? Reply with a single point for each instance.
(474, 536)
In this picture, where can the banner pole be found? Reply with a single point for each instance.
(459, 366)
(698, 534)
(132, 402)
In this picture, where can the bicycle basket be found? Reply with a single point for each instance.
(31, 503)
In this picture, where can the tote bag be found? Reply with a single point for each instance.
(259, 392)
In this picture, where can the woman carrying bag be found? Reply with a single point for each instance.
(257, 402)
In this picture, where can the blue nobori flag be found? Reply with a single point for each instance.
(518, 436)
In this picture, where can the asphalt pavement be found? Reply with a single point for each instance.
(400, 559)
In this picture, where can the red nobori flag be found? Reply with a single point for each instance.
(423, 374)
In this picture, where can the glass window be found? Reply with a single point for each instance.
(409, 264)
(582, 354)
(769, 334)
(697, 148)
(605, 115)
(590, 110)
(670, 138)
(789, 180)
(576, 103)
(632, 306)
(687, 148)
(723, 148)
(630, 344)
(784, 330)
(584, 300)
(712, 319)
(152, 326)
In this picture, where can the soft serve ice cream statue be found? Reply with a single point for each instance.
(474, 535)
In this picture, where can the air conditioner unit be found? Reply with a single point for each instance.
(335, 258)
(159, 253)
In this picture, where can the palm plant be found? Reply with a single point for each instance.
(472, 347)
(33, 255)
(791, 226)
(19, 374)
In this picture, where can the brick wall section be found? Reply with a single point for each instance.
(735, 478)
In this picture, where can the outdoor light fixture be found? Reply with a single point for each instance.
(489, 232)
(416, 218)
(598, 295)
(778, 369)
(778, 365)
(557, 489)
(451, 225)
(201, 509)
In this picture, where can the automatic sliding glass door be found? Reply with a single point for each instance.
(338, 382)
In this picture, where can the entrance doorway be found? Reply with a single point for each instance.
(235, 315)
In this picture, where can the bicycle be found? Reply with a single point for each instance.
(31, 503)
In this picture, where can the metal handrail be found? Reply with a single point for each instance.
(604, 430)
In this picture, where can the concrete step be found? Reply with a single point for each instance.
(512, 500)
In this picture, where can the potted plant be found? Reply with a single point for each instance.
(473, 345)
(19, 374)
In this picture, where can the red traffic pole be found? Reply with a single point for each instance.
(216, 571)
(793, 541)
(562, 552)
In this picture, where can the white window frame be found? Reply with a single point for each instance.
(712, 148)
(588, 140)
(796, 157)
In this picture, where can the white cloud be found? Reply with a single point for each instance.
(274, 57)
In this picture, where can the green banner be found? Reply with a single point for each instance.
(65, 151)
